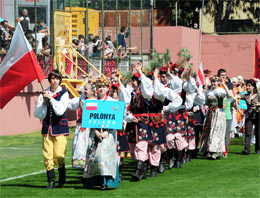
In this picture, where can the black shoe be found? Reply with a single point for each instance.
(245, 152)
(257, 152)
(154, 170)
(62, 176)
(51, 179)
(178, 164)
(51, 185)
(103, 187)
(139, 173)
(161, 166)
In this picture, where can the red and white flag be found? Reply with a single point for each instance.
(200, 76)
(91, 106)
(19, 67)
(257, 60)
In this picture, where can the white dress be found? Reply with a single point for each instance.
(80, 140)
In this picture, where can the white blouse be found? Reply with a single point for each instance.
(59, 107)
(176, 83)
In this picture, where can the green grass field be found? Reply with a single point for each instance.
(236, 176)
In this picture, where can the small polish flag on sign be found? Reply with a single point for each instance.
(91, 106)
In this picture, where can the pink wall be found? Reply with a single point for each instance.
(235, 53)
(176, 38)
(17, 117)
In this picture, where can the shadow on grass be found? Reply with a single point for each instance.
(24, 185)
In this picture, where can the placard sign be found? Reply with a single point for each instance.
(103, 114)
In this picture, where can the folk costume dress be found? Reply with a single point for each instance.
(101, 164)
(124, 95)
(138, 133)
(192, 99)
(80, 139)
(213, 142)
(165, 97)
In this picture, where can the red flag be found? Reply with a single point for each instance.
(19, 67)
(257, 57)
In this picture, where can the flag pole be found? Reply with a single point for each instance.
(201, 24)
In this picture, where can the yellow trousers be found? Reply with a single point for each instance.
(54, 150)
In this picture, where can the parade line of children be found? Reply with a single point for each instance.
(165, 124)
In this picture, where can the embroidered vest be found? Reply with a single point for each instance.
(58, 125)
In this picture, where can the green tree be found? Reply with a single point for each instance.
(221, 10)
(187, 11)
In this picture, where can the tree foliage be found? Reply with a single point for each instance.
(222, 10)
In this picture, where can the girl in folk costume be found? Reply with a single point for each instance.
(50, 108)
(137, 126)
(213, 142)
(194, 98)
(119, 92)
(175, 122)
(80, 140)
(163, 96)
(101, 166)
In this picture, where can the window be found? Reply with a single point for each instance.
(41, 13)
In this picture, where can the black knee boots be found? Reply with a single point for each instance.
(172, 156)
(154, 171)
(162, 162)
(62, 175)
(146, 165)
(179, 159)
(140, 171)
(51, 179)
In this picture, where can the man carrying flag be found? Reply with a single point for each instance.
(51, 108)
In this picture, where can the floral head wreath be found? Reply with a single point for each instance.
(91, 83)
(214, 78)
(102, 82)
(116, 72)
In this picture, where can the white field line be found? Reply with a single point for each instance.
(21, 176)
(13, 148)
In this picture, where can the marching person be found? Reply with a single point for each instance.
(50, 108)
(252, 113)
(213, 142)
(101, 165)
(137, 126)
(80, 140)
(163, 96)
